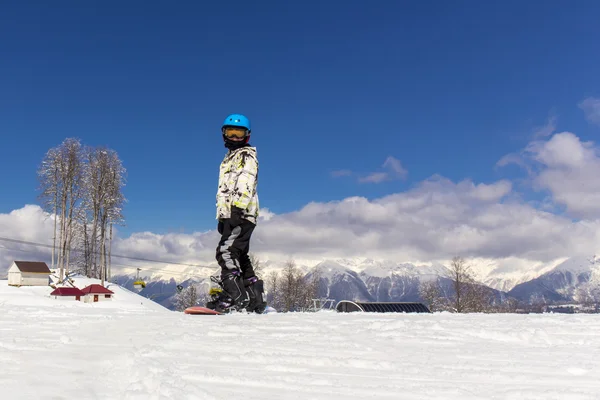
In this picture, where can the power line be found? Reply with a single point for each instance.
(153, 269)
(112, 255)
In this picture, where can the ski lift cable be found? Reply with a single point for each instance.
(180, 273)
(151, 269)
(112, 255)
(11, 249)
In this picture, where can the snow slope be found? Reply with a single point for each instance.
(38, 298)
(130, 349)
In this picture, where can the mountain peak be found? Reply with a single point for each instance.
(578, 265)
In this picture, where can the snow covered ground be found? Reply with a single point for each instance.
(131, 348)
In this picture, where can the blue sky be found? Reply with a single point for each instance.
(443, 87)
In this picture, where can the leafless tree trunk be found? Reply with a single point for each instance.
(459, 274)
(54, 212)
(110, 237)
(102, 249)
(73, 182)
(49, 185)
(95, 182)
(61, 234)
(86, 245)
(74, 198)
(113, 202)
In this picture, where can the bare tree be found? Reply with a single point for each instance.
(86, 243)
(432, 295)
(469, 295)
(104, 181)
(60, 183)
(95, 178)
(112, 204)
(479, 297)
(273, 289)
(81, 187)
(188, 297)
(256, 264)
(110, 239)
(290, 289)
(460, 275)
(588, 294)
(312, 283)
(509, 305)
(591, 290)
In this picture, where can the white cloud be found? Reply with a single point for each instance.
(29, 223)
(433, 221)
(591, 108)
(567, 168)
(394, 168)
(512, 158)
(375, 177)
(547, 129)
(265, 214)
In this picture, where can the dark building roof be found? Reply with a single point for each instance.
(407, 307)
(67, 291)
(33, 266)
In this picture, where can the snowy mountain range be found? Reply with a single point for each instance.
(373, 280)
(561, 283)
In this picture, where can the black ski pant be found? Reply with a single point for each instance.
(233, 248)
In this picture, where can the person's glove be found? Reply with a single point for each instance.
(236, 216)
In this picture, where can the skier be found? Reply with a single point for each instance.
(237, 215)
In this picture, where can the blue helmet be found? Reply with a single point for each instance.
(237, 120)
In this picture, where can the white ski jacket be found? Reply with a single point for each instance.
(238, 179)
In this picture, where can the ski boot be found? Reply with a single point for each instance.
(230, 296)
(255, 289)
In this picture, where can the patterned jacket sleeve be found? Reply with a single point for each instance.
(247, 175)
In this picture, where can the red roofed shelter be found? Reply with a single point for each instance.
(66, 292)
(96, 292)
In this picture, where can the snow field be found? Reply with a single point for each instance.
(51, 350)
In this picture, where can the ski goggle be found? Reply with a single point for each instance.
(235, 132)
